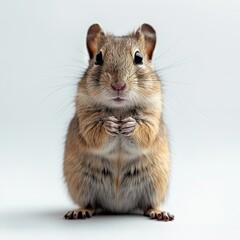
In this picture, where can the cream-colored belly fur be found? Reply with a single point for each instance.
(120, 188)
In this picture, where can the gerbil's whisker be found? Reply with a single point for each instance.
(62, 85)
(63, 109)
(190, 106)
(173, 113)
(166, 51)
(178, 83)
(60, 88)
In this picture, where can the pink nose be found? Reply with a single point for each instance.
(118, 86)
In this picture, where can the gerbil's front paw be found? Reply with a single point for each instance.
(128, 126)
(159, 215)
(79, 214)
(111, 126)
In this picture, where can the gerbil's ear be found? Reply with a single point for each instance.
(94, 35)
(147, 34)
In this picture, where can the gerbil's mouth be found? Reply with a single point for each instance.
(118, 99)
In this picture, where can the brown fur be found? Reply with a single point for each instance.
(124, 171)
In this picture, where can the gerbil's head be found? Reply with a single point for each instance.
(120, 73)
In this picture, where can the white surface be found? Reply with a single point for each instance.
(42, 57)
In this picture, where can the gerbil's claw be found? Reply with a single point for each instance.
(111, 126)
(159, 215)
(79, 214)
(68, 215)
(125, 127)
(128, 126)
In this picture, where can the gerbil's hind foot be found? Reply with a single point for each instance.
(159, 215)
(81, 213)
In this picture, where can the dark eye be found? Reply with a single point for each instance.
(138, 58)
(99, 59)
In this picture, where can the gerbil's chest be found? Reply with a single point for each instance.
(120, 146)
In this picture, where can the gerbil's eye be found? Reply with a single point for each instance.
(99, 59)
(138, 58)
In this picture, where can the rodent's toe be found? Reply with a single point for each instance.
(89, 214)
(152, 215)
(128, 119)
(165, 216)
(111, 128)
(128, 126)
(82, 215)
(160, 215)
(75, 215)
(69, 215)
(171, 217)
(79, 214)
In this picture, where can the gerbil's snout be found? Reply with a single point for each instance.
(118, 86)
(118, 93)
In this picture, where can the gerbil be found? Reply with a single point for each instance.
(116, 153)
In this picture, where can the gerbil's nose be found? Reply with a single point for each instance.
(118, 86)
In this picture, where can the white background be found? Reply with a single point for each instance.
(42, 57)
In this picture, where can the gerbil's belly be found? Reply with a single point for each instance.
(125, 193)
(121, 188)
(120, 146)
